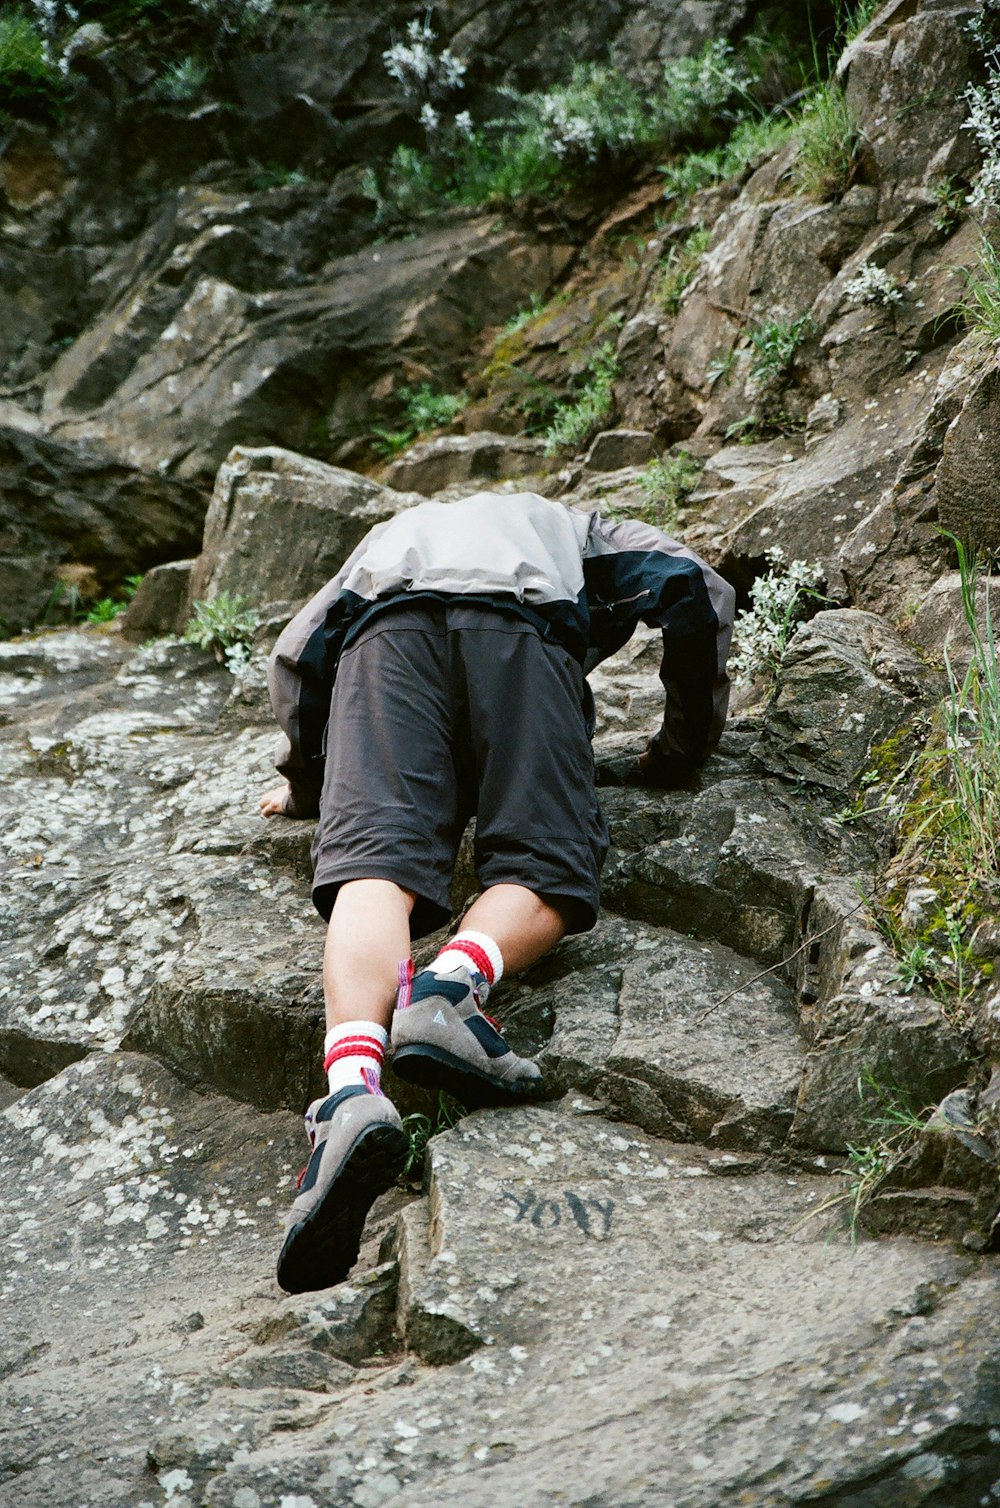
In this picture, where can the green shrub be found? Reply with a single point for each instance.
(566, 135)
(423, 409)
(577, 421)
(778, 602)
(752, 140)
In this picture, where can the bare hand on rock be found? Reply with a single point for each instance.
(273, 804)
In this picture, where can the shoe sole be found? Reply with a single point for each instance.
(436, 1068)
(321, 1249)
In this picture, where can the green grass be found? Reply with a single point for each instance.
(828, 138)
(677, 269)
(896, 1125)
(420, 1128)
(982, 299)
(951, 824)
(665, 483)
(423, 410)
(752, 140)
(578, 420)
(944, 802)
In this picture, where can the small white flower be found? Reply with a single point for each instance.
(463, 123)
(429, 117)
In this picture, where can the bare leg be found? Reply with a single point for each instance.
(368, 935)
(522, 925)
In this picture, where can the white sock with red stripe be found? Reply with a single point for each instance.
(354, 1054)
(474, 950)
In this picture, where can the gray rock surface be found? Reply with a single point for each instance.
(847, 683)
(966, 478)
(477, 459)
(733, 1321)
(217, 364)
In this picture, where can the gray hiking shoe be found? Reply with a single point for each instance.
(359, 1149)
(441, 1040)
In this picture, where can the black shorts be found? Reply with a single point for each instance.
(442, 712)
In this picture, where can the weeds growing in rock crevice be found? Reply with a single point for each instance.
(896, 1125)
(943, 800)
(420, 1128)
(423, 410)
(579, 419)
(226, 626)
(678, 267)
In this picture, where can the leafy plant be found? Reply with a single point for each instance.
(720, 367)
(984, 123)
(420, 1128)
(107, 608)
(276, 176)
(873, 285)
(423, 409)
(523, 317)
(678, 267)
(225, 623)
(949, 196)
(575, 422)
(778, 602)
(184, 80)
(774, 346)
(751, 141)
(558, 136)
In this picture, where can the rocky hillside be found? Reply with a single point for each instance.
(257, 300)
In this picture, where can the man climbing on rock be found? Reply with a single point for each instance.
(438, 676)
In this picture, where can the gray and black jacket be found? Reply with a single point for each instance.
(582, 580)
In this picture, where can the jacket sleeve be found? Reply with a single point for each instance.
(634, 573)
(301, 671)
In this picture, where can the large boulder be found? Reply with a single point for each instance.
(967, 490)
(281, 524)
(63, 504)
(847, 682)
(907, 54)
(193, 362)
